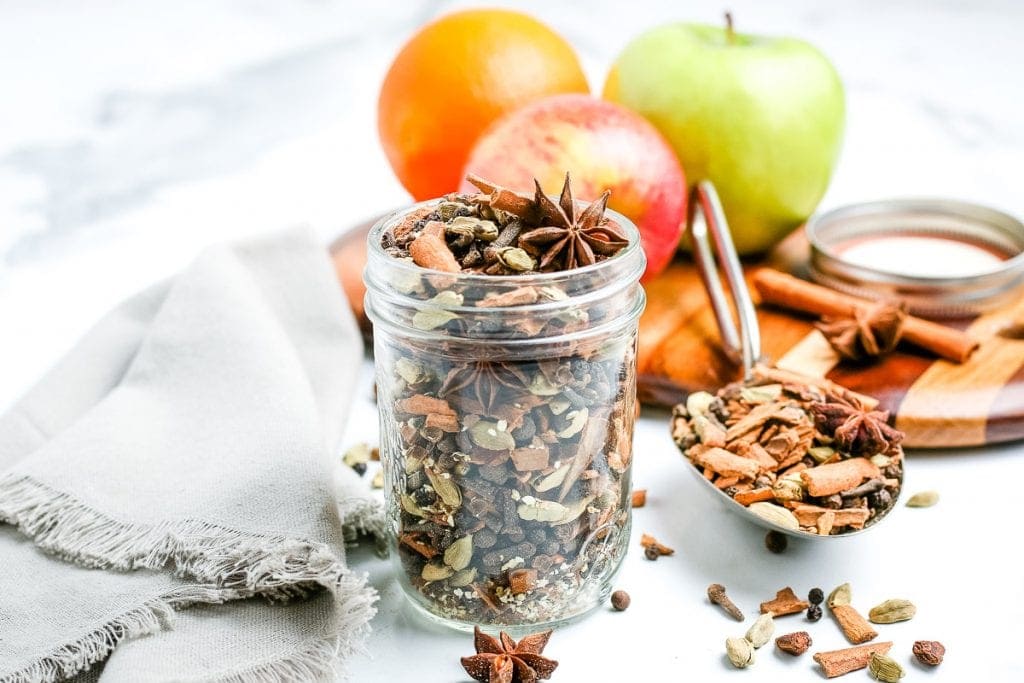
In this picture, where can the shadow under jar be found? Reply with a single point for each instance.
(507, 405)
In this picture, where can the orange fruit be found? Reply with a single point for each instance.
(456, 76)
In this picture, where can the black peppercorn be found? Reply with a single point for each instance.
(651, 553)
(814, 613)
(815, 596)
(776, 542)
(360, 468)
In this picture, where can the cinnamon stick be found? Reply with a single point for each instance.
(790, 292)
(838, 662)
(431, 251)
(854, 626)
(728, 464)
(785, 602)
(824, 480)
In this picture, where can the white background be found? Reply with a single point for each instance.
(134, 133)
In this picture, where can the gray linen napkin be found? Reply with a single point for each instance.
(181, 455)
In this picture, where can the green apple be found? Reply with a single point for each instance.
(760, 117)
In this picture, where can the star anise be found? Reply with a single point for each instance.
(874, 331)
(569, 237)
(506, 661)
(486, 380)
(856, 429)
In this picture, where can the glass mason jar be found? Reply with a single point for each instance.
(507, 406)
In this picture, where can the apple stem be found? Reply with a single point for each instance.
(730, 35)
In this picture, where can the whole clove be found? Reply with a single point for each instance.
(717, 596)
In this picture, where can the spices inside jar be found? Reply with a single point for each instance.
(505, 355)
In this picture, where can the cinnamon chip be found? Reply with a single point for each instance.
(785, 602)
(651, 543)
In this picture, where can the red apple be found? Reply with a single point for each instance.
(604, 146)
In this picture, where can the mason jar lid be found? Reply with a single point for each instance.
(943, 258)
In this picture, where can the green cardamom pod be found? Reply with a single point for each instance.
(891, 611)
(841, 595)
(436, 572)
(924, 499)
(885, 668)
(740, 652)
(776, 514)
(459, 553)
(515, 259)
(761, 631)
(463, 577)
(432, 319)
(487, 434)
(446, 489)
(698, 403)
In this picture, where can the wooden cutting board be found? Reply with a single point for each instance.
(937, 403)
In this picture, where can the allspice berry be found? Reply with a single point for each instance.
(794, 643)
(776, 542)
(620, 600)
(929, 652)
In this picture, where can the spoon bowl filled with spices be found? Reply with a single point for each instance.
(795, 454)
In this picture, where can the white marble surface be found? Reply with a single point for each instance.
(134, 133)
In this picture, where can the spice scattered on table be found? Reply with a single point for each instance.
(638, 498)
(785, 602)
(776, 542)
(654, 549)
(854, 626)
(929, 652)
(717, 596)
(503, 660)
(884, 668)
(357, 456)
(802, 453)
(815, 596)
(924, 499)
(740, 652)
(760, 632)
(838, 662)
(794, 643)
(892, 611)
(620, 600)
